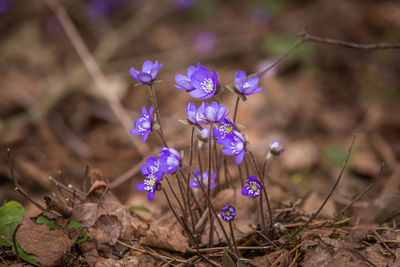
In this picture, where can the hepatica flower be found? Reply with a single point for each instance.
(204, 83)
(246, 86)
(276, 148)
(149, 72)
(152, 167)
(228, 213)
(149, 184)
(252, 187)
(170, 160)
(215, 112)
(226, 128)
(183, 82)
(196, 116)
(203, 179)
(234, 145)
(143, 124)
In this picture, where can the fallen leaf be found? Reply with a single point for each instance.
(49, 246)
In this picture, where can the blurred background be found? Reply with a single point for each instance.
(55, 118)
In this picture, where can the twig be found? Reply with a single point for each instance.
(327, 197)
(361, 194)
(316, 39)
(18, 188)
(384, 244)
(71, 190)
(54, 204)
(95, 71)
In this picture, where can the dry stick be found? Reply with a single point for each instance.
(70, 190)
(18, 188)
(210, 139)
(311, 38)
(212, 208)
(271, 219)
(95, 71)
(327, 197)
(362, 194)
(185, 228)
(384, 244)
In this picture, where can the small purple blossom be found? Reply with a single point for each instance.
(148, 73)
(276, 148)
(246, 86)
(149, 184)
(252, 187)
(215, 112)
(152, 167)
(203, 179)
(170, 161)
(205, 84)
(234, 145)
(226, 127)
(196, 116)
(228, 213)
(183, 82)
(143, 124)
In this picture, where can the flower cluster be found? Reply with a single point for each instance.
(168, 161)
(206, 113)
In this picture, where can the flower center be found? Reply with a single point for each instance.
(146, 124)
(207, 85)
(229, 129)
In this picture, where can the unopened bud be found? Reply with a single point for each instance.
(158, 187)
(275, 148)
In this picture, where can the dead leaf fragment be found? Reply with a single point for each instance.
(49, 246)
(166, 233)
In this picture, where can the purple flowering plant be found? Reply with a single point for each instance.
(223, 141)
(144, 124)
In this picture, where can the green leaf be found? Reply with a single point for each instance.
(46, 221)
(11, 214)
(75, 225)
(140, 208)
(336, 156)
(25, 256)
(227, 260)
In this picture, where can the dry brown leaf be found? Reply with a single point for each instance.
(314, 201)
(106, 232)
(276, 258)
(165, 233)
(49, 246)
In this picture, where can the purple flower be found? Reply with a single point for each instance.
(252, 187)
(152, 167)
(246, 86)
(184, 4)
(215, 112)
(196, 116)
(148, 73)
(143, 124)
(183, 82)
(149, 184)
(204, 83)
(228, 213)
(234, 145)
(170, 160)
(276, 148)
(203, 179)
(226, 127)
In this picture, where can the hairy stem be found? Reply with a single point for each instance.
(236, 109)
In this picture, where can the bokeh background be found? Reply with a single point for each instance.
(55, 118)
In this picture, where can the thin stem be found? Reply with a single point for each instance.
(246, 168)
(217, 166)
(155, 104)
(264, 189)
(188, 189)
(264, 225)
(182, 190)
(236, 109)
(212, 208)
(210, 240)
(327, 197)
(234, 242)
(241, 178)
(161, 137)
(174, 194)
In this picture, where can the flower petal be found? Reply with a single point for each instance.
(150, 195)
(140, 187)
(144, 77)
(134, 73)
(147, 65)
(239, 157)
